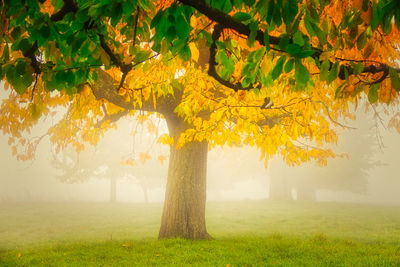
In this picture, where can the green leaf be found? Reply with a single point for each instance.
(266, 40)
(333, 74)
(277, 70)
(373, 93)
(365, 5)
(141, 56)
(16, 33)
(309, 28)
(284, 42)
(375, 16)
(253, 33)
(358, 68)
(185, 53)
(6, 53)
(258, 54)
(182, 27)
(241, 16)
(157, 18)
(320, 34)
(290, 11)
(298, 38)
(223, 5)
(24, 45)
(293, 49)
(324, 71)
(69, 77)
(270, 12)
(394, 77)
(296, 51)
(361, 41)
(249, 2)
(301, 74)
(227, 63)
(339, 90)
(127, 8)
(19, 82)
(289, 65)
(20, 68)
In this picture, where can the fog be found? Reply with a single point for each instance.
(370, 173)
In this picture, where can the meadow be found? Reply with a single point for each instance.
(246, 233)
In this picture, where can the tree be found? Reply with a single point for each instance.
(74, 167)
(346, 173)
(130, 160)
(110, 59)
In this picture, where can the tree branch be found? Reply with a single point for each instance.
(69, 6)
(104, 88)
(225, 21)
(212, 63)
(111, 118)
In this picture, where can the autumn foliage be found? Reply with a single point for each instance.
(308, 94)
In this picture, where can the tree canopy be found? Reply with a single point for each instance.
(350, 42)
(295, 61)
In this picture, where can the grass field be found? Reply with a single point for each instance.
(247, 233)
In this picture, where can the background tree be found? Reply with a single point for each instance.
(129, 161)
(348, 172)
(148, 176)
(271, 51)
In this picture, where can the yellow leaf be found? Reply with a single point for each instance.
(193, 21)
(122, 91)
(194, 51)
(266, 65)
(162, 159)
(142, 118)
(165, 139)
(151, 127)
(104, 58)
(144, 157)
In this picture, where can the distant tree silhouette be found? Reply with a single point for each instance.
(347, 173)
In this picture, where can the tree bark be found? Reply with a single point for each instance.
(185, 198)
(113, 189)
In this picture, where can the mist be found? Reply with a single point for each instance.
(366, 170)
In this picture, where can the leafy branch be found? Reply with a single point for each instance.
(225, 21)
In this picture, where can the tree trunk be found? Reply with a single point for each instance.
(113, 189)
(185, 198)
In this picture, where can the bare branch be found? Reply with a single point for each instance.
(330, 117)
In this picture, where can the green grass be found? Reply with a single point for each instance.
(256, 233)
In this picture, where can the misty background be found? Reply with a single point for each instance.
(368, 174)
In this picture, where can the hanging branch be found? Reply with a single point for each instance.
(34, 86)
(135, 29)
